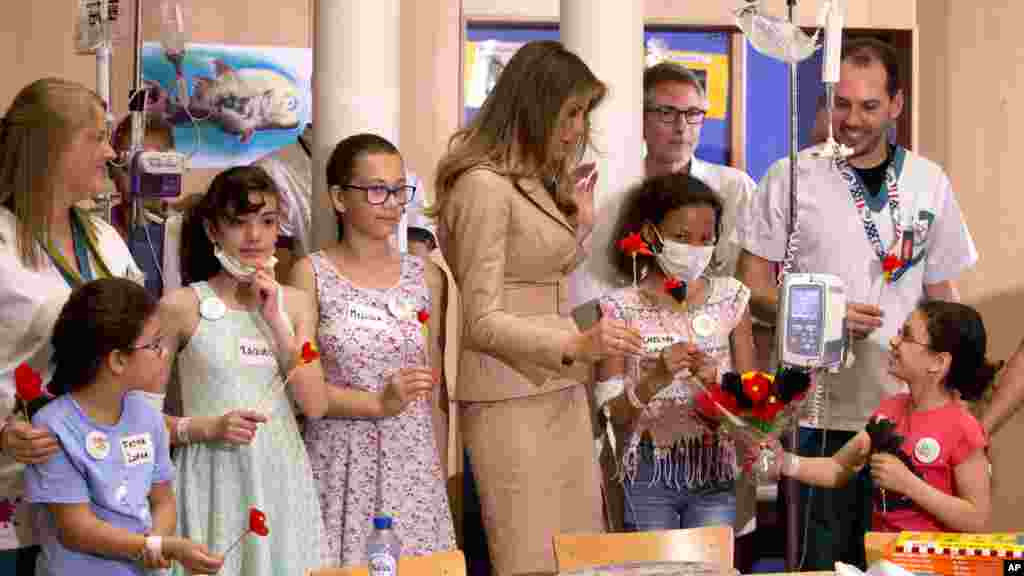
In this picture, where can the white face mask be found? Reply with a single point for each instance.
(683, 261)
(237, 270)
(154, 399)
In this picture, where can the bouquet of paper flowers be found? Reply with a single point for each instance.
(757, 404)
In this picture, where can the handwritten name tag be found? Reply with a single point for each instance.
(137, 449)
(655, 343)
(255, 352)
(366, 317)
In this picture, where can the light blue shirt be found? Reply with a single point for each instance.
(112, 468)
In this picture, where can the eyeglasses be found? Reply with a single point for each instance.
(156, 346)
(671, 114)
(902, 335)
(379, 194)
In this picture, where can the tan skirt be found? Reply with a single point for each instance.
(536, 473)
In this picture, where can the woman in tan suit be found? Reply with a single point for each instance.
(508, 226)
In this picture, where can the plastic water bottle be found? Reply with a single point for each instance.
(383, 548)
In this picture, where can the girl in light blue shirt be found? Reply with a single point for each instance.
(104, 504)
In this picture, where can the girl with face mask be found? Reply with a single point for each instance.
(232, 333)
(677, 471)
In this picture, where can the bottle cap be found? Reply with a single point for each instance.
(382, 523)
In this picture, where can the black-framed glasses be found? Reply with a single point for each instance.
(902, 335)
(379, 194)
(156, 346)
(671, 114)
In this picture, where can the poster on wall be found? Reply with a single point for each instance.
(484, 62)
(710, 68)
(229, 105)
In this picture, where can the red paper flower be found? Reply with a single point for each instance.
(634, 244)
(309, 353)
(891, 263)
(711, 402)
(672, 283)
(28, 384)
(258, 522)
(767, 410)
(423, 316)
(757, 386)
(7, 509)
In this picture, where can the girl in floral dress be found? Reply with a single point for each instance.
(375, 453)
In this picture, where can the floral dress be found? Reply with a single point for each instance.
(390, 465)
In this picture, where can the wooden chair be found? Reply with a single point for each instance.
(713, 544)
(451, 563)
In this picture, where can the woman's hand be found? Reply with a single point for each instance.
(404, 387)
(236, 427)
(606, 338)
(585, 176)
(28, 444)
(192, 555)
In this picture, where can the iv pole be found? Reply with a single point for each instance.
(790, 487)
(136, 107)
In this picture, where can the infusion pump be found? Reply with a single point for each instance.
(811, 326)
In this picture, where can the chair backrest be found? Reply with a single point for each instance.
(713, 544)
(451, 563)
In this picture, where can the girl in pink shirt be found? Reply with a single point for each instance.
(926, 452)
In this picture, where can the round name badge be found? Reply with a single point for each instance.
(212, 308)
(927, 450)
(704, 325)
(399, 307)
(97, 445)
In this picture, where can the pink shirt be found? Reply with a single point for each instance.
(937, 441)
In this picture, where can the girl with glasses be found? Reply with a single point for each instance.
(376, 451)
(931, 474)
(105, 501)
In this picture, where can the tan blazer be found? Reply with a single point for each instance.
(510, 249)
(444, 320)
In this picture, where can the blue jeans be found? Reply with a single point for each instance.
(19, 562)
(667, 504)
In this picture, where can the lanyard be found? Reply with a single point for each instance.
(856, 186)
(85, 242)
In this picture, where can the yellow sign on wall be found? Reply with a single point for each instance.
(713, 70)
(483, 62)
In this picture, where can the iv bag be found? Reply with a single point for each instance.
(172, 26)
(775, 37)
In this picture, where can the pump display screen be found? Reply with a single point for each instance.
(804, 322)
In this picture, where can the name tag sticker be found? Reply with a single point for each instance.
(255, 352)
(655, 343)
(367, 317)
(137, 449)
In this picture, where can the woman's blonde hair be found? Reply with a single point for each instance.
(34, 136)
(514, 131)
